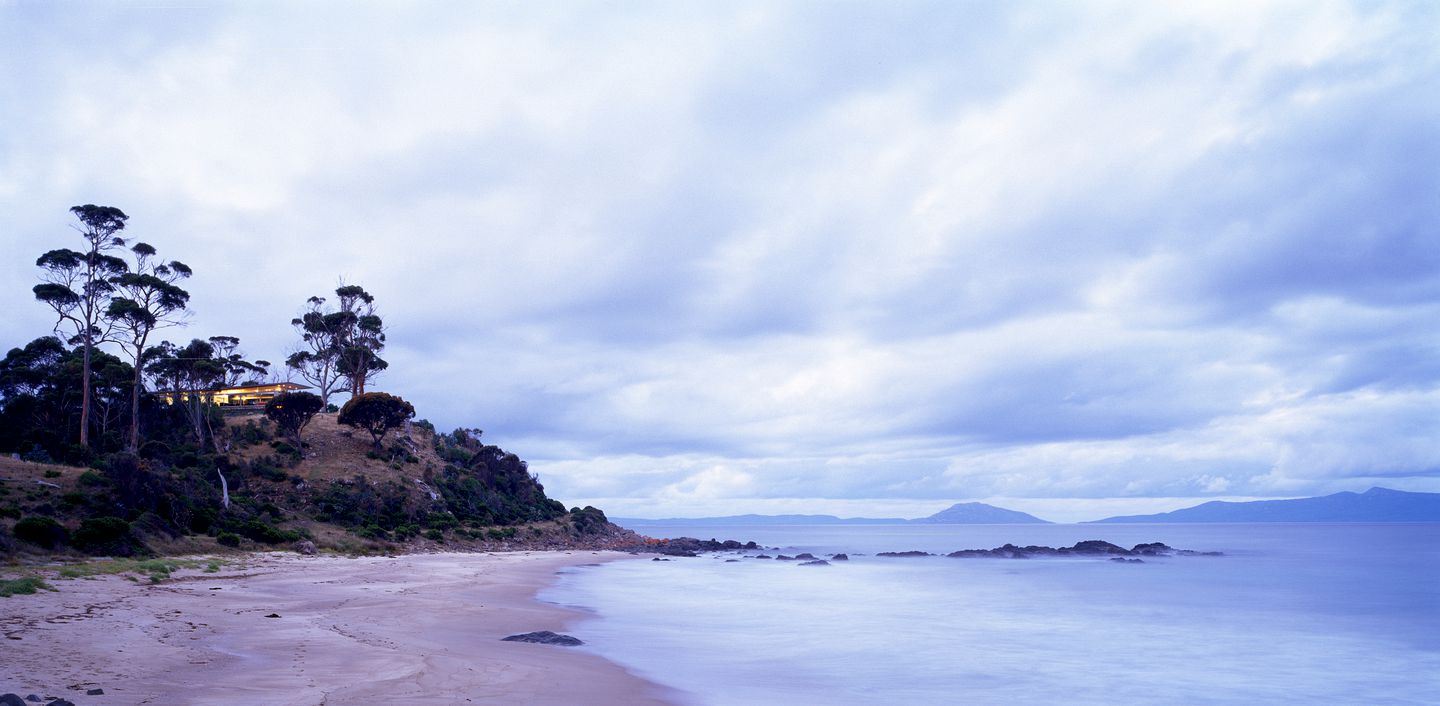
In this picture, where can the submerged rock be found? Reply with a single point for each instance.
(905, 554)
(816, 562)
(544, 637)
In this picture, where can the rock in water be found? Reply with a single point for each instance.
(544, 637)
(11, 700)
(817, 562)
(840, 557)
(94, 692)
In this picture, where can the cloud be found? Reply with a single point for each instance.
(711, 255)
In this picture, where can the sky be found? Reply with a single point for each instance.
(856, 258)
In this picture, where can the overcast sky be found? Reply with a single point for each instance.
(861, 258)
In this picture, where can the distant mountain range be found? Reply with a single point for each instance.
(1373, 505)
(958, 514)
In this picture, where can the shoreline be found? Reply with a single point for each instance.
(413, 629)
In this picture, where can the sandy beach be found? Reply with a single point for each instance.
(415, 629)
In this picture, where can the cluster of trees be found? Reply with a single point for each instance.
(102, 392)
(116, 292)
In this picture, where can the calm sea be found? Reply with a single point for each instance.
(1291, 614)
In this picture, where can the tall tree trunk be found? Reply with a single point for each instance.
(135, 411)
(85, 396)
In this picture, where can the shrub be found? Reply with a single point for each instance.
(104, 535)
(292, 411)
(52, 474)
(435, 535)
(42, 531)
(228, 539)
(377, 413)
(588, 520)
(91, 479)
(24, 585)
(267, 534)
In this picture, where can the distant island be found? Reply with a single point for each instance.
(958, 514)
(1373, 505)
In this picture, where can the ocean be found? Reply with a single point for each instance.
(1290, 614)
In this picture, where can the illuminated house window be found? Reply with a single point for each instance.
(243, 395)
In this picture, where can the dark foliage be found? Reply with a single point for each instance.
(42, 531)
(588, 520)
(106, 535)
(376, 413)
(292, 411)
(485, 485)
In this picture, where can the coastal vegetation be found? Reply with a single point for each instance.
(115, 444)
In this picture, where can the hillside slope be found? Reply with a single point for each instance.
(422, 492)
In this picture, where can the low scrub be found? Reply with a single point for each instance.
(24, 585)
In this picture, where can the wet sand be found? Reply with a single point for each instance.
(415, 629)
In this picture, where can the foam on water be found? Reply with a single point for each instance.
(1292, 614)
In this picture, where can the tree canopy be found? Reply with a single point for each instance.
(375, 412)
(292, 411)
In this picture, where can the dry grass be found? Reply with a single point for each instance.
(27, 474)
(335, 452)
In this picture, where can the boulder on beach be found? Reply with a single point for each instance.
(544, 637)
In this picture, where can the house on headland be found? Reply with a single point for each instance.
(238, 396)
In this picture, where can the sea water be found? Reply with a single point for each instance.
(1290, 614)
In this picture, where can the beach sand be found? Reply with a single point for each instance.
(414, 629)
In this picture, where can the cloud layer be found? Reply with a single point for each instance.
(696, 258)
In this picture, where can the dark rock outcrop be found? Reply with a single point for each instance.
(839, 557)
(11, 700)
(905, 554)
(689, 546)
(544, 637)
(816, 562)
(1087, 548)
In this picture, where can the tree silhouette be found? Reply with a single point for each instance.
(77, 285)
(143, 300)
(375, 412)
(292, 411)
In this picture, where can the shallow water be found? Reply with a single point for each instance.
(1293, 613)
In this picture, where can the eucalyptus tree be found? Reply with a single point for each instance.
(362, 337)
(339, 345)
(317, 361)
(77, 285)
(143, 300)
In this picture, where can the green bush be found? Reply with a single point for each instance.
(42, 531)
(91, 479)
(228, 539)
(22, 586)
(435, 535)
(267, 534)
(104, 535)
